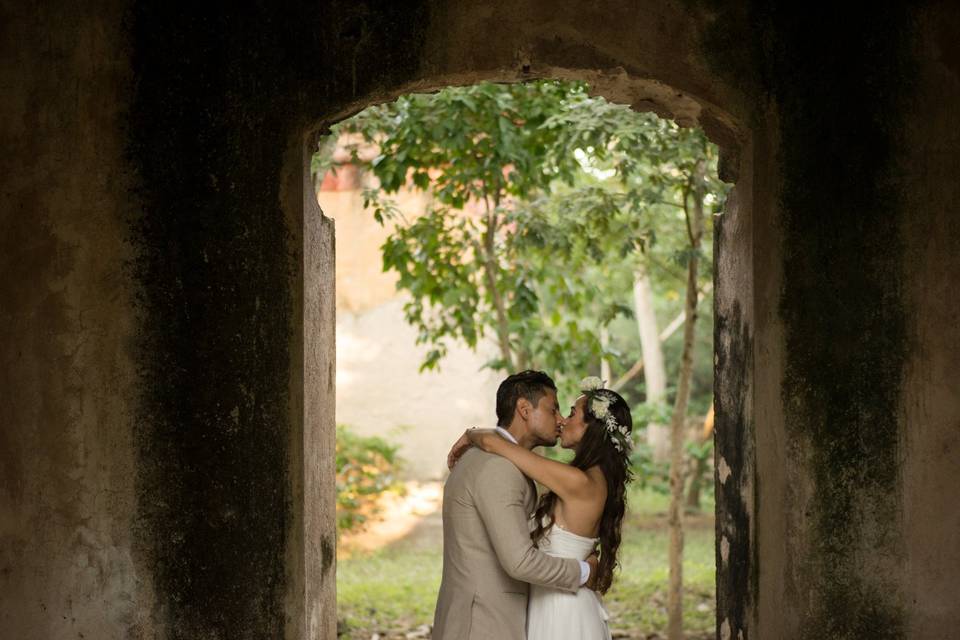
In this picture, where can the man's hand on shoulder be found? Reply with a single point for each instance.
(593, 561)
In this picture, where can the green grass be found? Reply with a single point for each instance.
(394, 589)
(638, 600)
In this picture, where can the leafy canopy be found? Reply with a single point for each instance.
(543, 203)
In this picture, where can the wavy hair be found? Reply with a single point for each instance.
(596, 449)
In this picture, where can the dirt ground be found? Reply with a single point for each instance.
(411, 518)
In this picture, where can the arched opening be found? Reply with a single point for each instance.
(734, 451)
(168, 465)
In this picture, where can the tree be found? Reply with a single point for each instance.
(548, 208)
(667, 170)
(478, 150)
(654, 370)
(476, 261)
(694, 218)
(505, 165)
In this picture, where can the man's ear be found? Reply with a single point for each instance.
(523, 408)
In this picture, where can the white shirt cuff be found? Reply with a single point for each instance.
(584, 572)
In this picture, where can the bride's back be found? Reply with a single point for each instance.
(582, 515)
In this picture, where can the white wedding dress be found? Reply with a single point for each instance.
(553, 614)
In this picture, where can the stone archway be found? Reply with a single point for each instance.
(163, 421)
(733, 363)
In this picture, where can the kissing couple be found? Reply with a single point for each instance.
(517, 567)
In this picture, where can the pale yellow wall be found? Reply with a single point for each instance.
(379, 388)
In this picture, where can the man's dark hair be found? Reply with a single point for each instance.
(531, 385)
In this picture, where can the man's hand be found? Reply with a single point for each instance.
(593, 561)
(459, 448)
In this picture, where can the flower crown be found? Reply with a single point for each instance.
(598, 403)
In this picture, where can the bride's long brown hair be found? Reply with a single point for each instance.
(596, 449)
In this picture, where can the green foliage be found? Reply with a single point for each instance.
(543, 203)
(367, 466)
(647, 472)
(653, 476)
(700, 454)
(322, 160)
(394, 590)
(700, 451)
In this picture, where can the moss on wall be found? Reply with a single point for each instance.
(735, 551)
(219, 96)
(213, 266)
(839, 83)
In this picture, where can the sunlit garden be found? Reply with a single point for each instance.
(391, 592)
(527, 226)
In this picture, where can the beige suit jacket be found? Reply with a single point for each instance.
(488, 558)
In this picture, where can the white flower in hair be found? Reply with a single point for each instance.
(600, 401)
(591, 383)
(600, 405)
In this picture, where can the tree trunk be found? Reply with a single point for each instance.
(604, 360)
(503, 332)
(654, 371)
(698, 469)
(491, 272)
(668, 331)
(678, 421)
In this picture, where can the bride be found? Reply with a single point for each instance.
(582, 509)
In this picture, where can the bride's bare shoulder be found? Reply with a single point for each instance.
(595, 473)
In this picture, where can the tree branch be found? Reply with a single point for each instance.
(686, 211)
(490, 272)
(668, 331)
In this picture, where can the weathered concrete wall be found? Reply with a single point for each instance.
(930, 409)
(168, 329)
(831, 552)
(67, 499)
(311, 548)
(735, 452)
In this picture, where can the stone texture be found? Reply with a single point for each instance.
(67, 459)
(167, 318)
(930, 396)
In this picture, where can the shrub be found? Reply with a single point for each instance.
(367, 466)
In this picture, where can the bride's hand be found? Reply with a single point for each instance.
(479, 438)
(482, 438)
(459, 448)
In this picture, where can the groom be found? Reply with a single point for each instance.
(488, 558)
